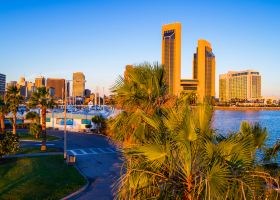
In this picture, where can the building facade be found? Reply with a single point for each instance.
(78, 84)
(11, 83)
(204, 67)
(58, 85)
(171, 56)
(22, 81)
(40, 81)
(240, 86)
(2, 84)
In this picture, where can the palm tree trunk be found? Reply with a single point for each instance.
(2, 122)
(15, 123)
(44, 133)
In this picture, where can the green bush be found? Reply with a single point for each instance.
(88, 125)
(36, 130)
(8, 144)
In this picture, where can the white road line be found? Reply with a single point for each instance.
(102, 150)
(72, 151)
(94, 152)
(111, 150)
(82, 151)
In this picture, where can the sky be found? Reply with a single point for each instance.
(55, 38)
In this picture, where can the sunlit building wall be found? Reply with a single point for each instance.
(40, 81)
(78, 84)
(171, 56)
(240, 85)
(58, 85)
(204, 67)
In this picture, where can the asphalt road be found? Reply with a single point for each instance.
(96, 157)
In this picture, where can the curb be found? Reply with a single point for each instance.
(74, 195)
(33, 155)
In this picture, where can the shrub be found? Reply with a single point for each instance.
(88, 125)
(8, 144)
(36, 130)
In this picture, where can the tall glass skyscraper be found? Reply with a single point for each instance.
(2, 83)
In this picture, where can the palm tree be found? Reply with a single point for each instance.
(35, 127)
(3, 112)
(41, 99)
(171, 151)
(14, 99)
(98, 120)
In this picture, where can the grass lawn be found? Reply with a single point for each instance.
(46, 177)
(28, 136)
(37, 149)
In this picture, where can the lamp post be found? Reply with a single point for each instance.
(65, 118)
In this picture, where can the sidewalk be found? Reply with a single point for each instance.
(102, 172)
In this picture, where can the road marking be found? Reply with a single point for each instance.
(83, 151)
(111, 150)
(90, 151)
(73, 152)
(102, 150)
(94, 152)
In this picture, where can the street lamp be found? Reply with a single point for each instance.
(65, 105)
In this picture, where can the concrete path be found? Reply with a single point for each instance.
(102, 171)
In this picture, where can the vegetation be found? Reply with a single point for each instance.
(45, 177)
(29, 136)
(41, 98)
(14, 99)
(35, 127)
(171, 152)
(28, 150)
(3, 112)
(8, 144)
(99, 121)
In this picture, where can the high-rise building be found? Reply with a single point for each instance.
(58, 84)
(240, 85)
(21, 82)
(204, 67)
(30, 88)
(78, 84)
(2, 84)
(40, 81)
(87, 93)
(171, 56)
(11, 83)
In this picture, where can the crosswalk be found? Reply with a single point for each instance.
(90, 151)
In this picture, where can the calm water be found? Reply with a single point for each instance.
(228, 121)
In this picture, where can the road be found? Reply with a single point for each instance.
(97, 159)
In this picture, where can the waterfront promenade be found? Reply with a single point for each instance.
(245, 108)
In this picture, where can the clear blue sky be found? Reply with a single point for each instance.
(54, 38)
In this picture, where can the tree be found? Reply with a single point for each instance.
(99, 121)
(41, 99)
(8, 144)
(14, 99)
(171, 151)
(3, 112)
(35, 127)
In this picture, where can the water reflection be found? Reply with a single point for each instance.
(225, 121)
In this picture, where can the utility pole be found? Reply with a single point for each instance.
(65, 105)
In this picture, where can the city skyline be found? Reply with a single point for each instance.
(34, 42)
